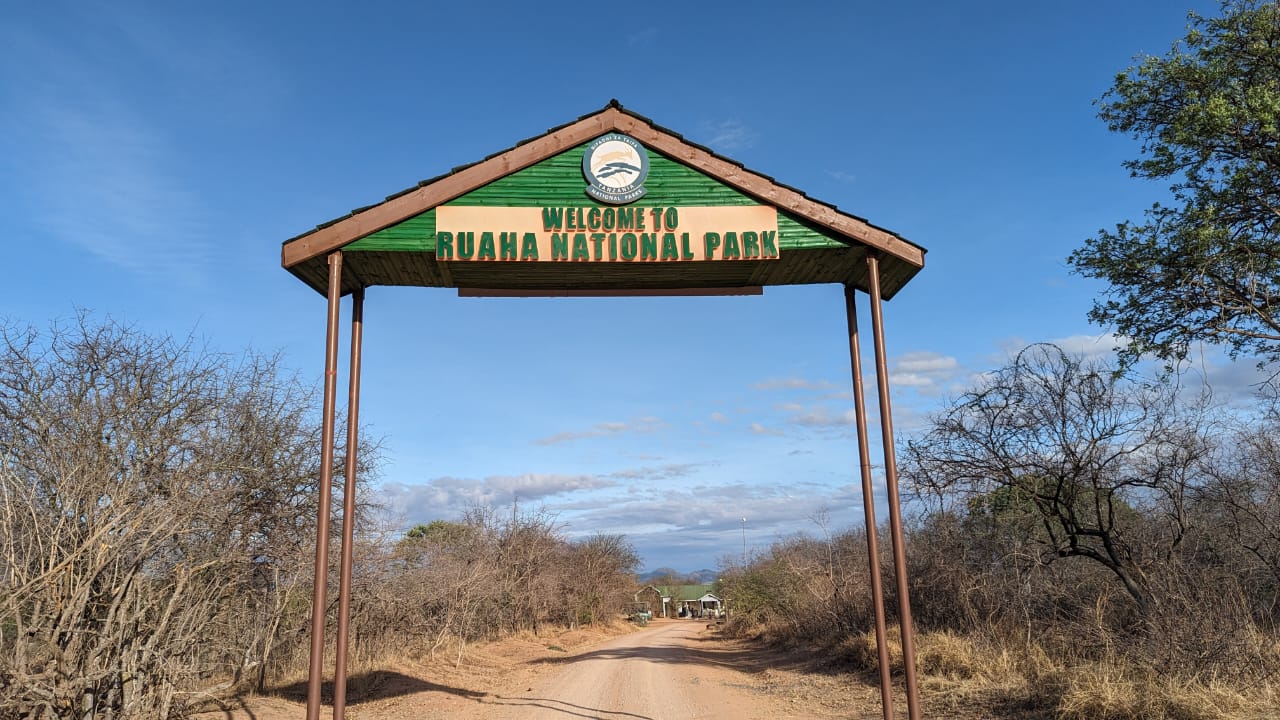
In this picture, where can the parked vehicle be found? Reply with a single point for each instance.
(639, 613)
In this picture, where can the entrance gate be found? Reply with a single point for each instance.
(610, 204)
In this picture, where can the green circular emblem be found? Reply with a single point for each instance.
(615, 167)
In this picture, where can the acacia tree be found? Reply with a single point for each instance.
(1077, 448)
(1206, 267)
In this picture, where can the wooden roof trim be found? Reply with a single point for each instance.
(328, 238)
(334, 235)
(770, 191)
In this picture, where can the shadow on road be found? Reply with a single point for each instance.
(370, 686)
(701, 649)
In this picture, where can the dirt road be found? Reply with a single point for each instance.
(671, 670)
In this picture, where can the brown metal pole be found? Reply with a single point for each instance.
(891, 480)
(348, 508)
(869, 505)
(315, 672)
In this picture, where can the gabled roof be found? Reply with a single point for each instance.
(685, 593)
(647, 588)
(304, 255)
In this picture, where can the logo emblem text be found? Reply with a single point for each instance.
(615, 167)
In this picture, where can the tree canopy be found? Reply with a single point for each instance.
(1072, 446)
(1206, 267)
(155, 501)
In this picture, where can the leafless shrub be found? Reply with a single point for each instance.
(153, 496)
(446, 584)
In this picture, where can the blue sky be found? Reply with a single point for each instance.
(154, 156)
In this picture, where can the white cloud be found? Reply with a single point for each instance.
(1237, 384)
(1099, 346)
(662, 510)
(910, 380)
(925, 371)
(449, 496)
(729, 135)
(692, 528)
(758, 429)
(640, 425)
(663, 472)
(925, 362)
(793, 383)
(823, 416)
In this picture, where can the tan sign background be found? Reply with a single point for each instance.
(606, 234)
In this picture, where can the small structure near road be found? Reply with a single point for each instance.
(681, 600)
(696, 601)
(654, 598)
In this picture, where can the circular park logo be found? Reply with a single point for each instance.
(615, 167)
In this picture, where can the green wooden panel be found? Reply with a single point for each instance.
(558, 181)
(417, 234)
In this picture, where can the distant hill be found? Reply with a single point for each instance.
(697, 577)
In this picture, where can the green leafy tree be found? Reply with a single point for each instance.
(1207, 266)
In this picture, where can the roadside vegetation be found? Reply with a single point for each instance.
(1088, 545)
(491, 574)
(155, 500)
(157, 515)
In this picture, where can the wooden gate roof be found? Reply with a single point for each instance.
(393, 242)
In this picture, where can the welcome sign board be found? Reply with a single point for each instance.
(606, 234)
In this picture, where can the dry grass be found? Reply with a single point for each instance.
(1104, 691)
(967, 677)
(960, 675)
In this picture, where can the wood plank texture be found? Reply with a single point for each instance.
(399, 208)
(393, 242)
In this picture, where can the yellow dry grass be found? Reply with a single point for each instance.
(1106, 691)
(960, 675)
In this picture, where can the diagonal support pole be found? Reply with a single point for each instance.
(869, 505)
(891, 480)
